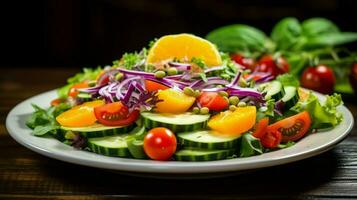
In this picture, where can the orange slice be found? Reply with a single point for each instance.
(184, 47)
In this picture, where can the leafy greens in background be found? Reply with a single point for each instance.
(312, 41)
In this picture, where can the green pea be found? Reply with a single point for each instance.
(232, 108)
(197, 93)
(172, 71)
(119, 76)
(188, 91)
(242, 104)
(204, 110)
(196, 110)
(233, 100)
(69, 135)
(160, 74)
(242, 82)
(223, 93)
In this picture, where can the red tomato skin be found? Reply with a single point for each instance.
(120, 114)
(274, 67)
(261, 128)
(320, 78)
(302, 119)
(353, 77)
(246, 62)
(160, 144)
(271, 139)
(213, 101)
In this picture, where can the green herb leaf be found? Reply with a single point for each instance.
(239, 38)
(250, 146)
(42, 130)
(286, 33)
(331, 39)
(318, 26)
(198, 61)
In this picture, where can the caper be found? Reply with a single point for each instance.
(172, 71)
(69, 135)
(160, 74)
(242, 82)
(233, 100)
(204, 110)
(242, 104)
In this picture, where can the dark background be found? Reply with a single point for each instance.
(88, 33)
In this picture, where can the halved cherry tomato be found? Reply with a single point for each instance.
(56, 102)
(160, 143)
(73, 91)
(213, 101)
(152, 86)
(103, 78)
(261, 128)
(244, 61)
(292, 128)
(274, 66)
(271, 139)
(115, 114)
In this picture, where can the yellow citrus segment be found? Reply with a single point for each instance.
(80, 116)
(184, 47)
(173, 101)
(234, 123)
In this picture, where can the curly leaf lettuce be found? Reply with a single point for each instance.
(323, 115)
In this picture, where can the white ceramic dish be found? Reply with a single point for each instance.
(309, 146)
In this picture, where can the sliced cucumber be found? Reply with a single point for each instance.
(110, 145)
(99, 130)
(274, 90)
(202, 154)
(291, 97)
(206, 139)
(175, 122)
(136, 148)
(84, 95)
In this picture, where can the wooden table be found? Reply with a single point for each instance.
(28, 175)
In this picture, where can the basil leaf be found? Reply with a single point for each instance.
(239, 37)
(318, 26)
(250, 146)
(331, 39)
(286, 33)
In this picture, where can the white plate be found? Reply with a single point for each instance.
(309, 146)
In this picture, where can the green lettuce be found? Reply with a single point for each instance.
(250, 146)
(323, 115)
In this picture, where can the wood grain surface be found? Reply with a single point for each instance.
(27, 175)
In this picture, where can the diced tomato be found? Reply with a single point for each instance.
(213, 101)
(73, 91)
(115, 114)
(261, 128)
(271, 139)
(292, 128)
(56, 102)
(152, 86)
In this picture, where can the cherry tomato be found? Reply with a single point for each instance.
(160, 143)
(56, 102)
(73, 91)
(115, 114)
(353, 77)
(103, 78)
(273, 66)
(261, 128)
(152, 86)
(292, 128)
(319, 78)
(213, 101)
(271, 139)
(246, 62)
(254, 76)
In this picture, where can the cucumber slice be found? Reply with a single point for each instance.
(110, 145)
(136, 148)
(202, 154)
(206, 139)
(99, 130)
(175, 122)
(291, 97)
(274, 90)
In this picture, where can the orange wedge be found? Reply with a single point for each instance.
(184, 47)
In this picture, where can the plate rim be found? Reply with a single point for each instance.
(159, 167)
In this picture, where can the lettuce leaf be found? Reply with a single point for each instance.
(323, 115)
(250, 146)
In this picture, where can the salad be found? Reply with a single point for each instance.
(181, 99)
